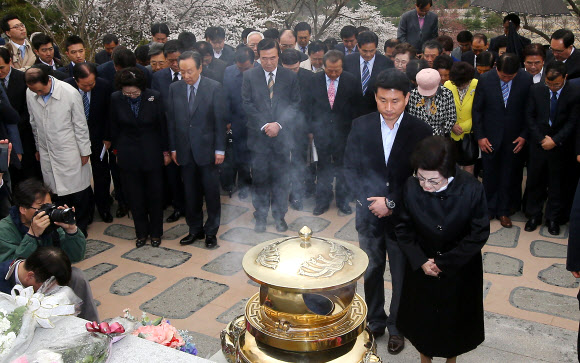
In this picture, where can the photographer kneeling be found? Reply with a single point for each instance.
(34, 222)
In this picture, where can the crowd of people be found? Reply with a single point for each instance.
(402, 133)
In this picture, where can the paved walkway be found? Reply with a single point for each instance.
(532, 311)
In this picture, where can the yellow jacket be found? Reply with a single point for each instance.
(463, 108)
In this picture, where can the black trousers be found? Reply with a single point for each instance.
(144, 193)
(101, 178)
(545, 179)
(498, 179)
(174, 187)
(244, 175)
(84, 204)
(270, 184)
(202, 181)
(116, 177)
(330, 164)
(298, 171)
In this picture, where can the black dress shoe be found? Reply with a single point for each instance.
(260, 226)
(174, 216)
(281, 225)
(190, 238)
(121, 211)
(344, 208)
(553, 228)
(532, 224)
(396, 344)
(210, 241)
(106, 217)
(155, 242)
(320, 209)
(296, 204)
(140, 242)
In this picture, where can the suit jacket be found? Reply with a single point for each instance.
(572, 63)
(198, 136)
(491, 119)
(305, 80)
(283, 108)
(573, 256)
(6, 285)
(218, 68)
(235, 114)
(352, 65)
(410, 32)
(341, 47)
(228, 55)
(10, 119)
(108, 71)
(68, 69)
(99, 111)
(469, 57)
(19, 62)
(57, 62)
(140, 141)
(493, 42)
(16, 93)
(102, 57)
(367, 174)
(61, 76)
(161, 81)
(331, 126)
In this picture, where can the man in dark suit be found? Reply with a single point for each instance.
(552, 115)
(236, 116)
(271, 97)
(348, 35)
(122, 58)
(213, 68)
(534, 58)
(161, 81)
(573, 256)
(418, 25)
(110, 41)
(366, 65)
(335, 95)
(500, 127)
(96, 95)
(478, 46)
(197, 125)
(216, 35)
(75, 51)
(493, 43)
(290, 59)
(376, 164)
(43, 47)
(562, 49)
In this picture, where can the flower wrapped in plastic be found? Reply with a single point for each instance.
(24, 310)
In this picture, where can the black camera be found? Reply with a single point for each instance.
(66, 215)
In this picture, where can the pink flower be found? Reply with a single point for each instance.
(163, 333)
(22, 359)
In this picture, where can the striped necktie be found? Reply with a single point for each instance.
(505, 92)
(271, 85)
(86, 105)
(331, 93)
(366, 75)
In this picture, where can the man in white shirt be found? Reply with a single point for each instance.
(534, 56)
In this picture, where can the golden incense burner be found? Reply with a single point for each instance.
(307, 309)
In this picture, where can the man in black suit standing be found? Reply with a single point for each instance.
(271, 97)
(366, 65)
(493, 43)
(376, 164)
(43, 47)
(75, 51)
(96, 95)
(573, 256)
(348, 35)
(335, 94)
(110, 41)
(562, 49)
(418, 25)
(478, 46)
(500, 128)
(197, 125)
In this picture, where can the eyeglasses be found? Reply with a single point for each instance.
(558, 51)
(18, 26)
(131, 94)
(401, 62)
(158, 63)
(423, 180)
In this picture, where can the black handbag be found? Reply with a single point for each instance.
(467, 150)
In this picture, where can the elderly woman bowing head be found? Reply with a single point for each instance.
(442, 228)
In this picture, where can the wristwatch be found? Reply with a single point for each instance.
(390, 204)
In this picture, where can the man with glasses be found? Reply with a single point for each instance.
(534, 57)
(157, 59)
(552, 114)
(562, 49)
(20, 48)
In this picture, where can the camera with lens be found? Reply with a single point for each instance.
(66, 216)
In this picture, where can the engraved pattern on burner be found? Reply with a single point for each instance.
(322, 267)
(269, 256)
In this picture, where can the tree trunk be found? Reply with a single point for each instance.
(533, 29)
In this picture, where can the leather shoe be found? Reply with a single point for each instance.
(121, 211)
(344, 208)
(320, 209)
(396, 344)
(190, 238)
(378, 333)
(260, 226)
(505, 221)
(210, 241)
(107, 217)
(553, 228)
(296, 204)
(140, 242)
(174, 216)
(532, 224)
(281, 225)
(155, 242)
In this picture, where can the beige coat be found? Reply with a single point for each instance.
(62, 137)
(17, 61)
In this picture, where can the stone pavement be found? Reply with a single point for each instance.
(530, 299)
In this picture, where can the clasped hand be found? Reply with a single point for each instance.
(430, 268)
(272, 129)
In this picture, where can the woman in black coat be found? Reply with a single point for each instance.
(443, 226)
(139, 134)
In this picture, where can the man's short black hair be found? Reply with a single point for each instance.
(391, 43)
(272, 33)
(362, 28)
(172, 46)
(302, 26)
(461, 73)
(485, 59)
(443, 61)
(29, 190)
(192, 54)
(247, 31)
(142, 53)
(290, 56)
(37, 73)
(4, 22)
(415, 66)
(83, 70)
(508, 63)
(566, 35)
(393, 79)
(422, 3)
(432, 44)
(204, 48)
(333, 56)
(316, 46)
(187, 40)
(5, 55)
(131, 76)
(367, 37)
(123, 57)
(48, 261)
(464, 36)
(481, 37)
(244, 54)
(159, 28)
(72, 40)
(435, 153)
(215, 33)
(348, 31)
(446, 42)
(41, 39)
(554, 69)
(534, 49)
(330, 43)
(266, 44)
(513, 18)
(110, 38)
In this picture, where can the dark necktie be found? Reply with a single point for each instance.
(175, 77)
(191, 99)
(553, 107)
(86, 105)
(3, 81)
